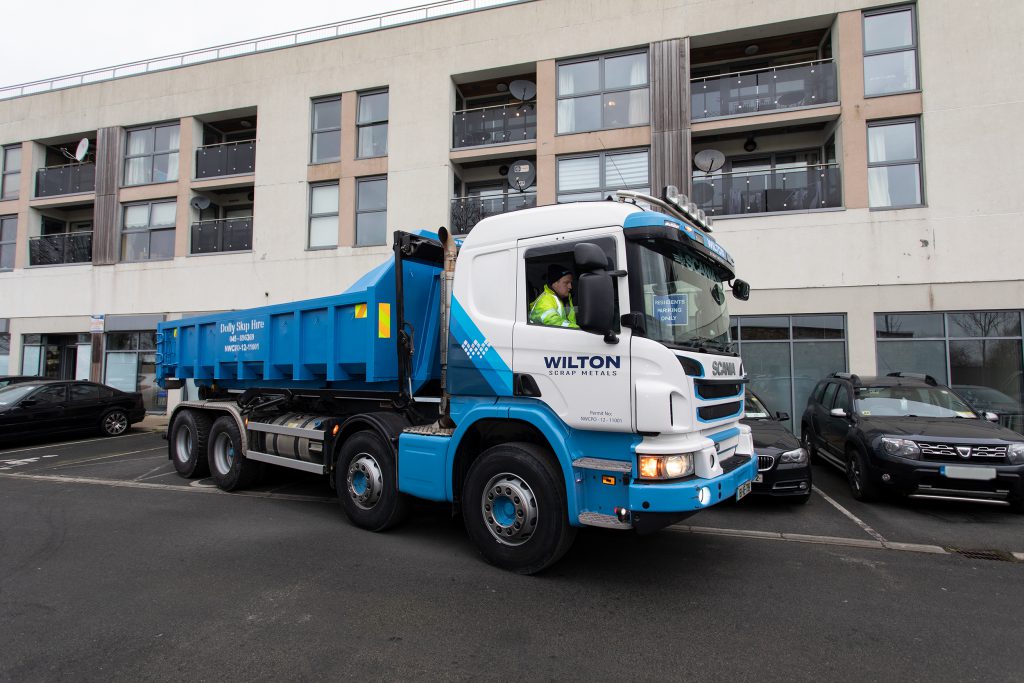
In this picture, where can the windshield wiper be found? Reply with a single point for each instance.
(702, 344)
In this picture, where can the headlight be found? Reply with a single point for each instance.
(797, 456)
(1016, 453)
(666, 466)
(903, 448)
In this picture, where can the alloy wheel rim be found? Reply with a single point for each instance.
(365, 481)
(509, 509)
(115, 423)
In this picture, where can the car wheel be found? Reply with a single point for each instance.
(366, 479)
(862, 486)
(514, 507)
(228, 465)
(801, 499)
(114, 422)
(187, 443)
(808, 443)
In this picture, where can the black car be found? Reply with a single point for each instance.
(909, 434)
(7, 380)
(783, 468)
(49, 406)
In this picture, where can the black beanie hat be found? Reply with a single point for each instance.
(556, 272)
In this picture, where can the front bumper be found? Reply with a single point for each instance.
(917, 476)
(784, 480)
(684, 495)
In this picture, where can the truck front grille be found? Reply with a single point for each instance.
(711, 390)
(947, 452)
(708, 413)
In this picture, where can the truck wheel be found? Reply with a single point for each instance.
(862, 486)
(187, 444)
(515, 509)
(366, 479)
(227, 463)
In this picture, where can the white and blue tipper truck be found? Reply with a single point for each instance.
(427, 379)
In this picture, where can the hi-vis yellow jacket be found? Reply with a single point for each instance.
(548, 309)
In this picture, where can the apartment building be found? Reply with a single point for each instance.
(846, 151)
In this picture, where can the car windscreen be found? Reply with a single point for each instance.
(902, 401)
(754, 409)
(14, 393)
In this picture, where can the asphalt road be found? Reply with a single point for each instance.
(114, 568)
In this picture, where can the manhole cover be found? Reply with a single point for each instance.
(996, 555)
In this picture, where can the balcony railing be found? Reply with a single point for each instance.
(771, 89)
(497, 125)
(52, 250)
(794, 189)
(468, 211)
(228, 158)
(53, 181)
(223, 234)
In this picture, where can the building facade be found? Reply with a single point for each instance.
(846, 151)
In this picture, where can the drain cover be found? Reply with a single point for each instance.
(996, 555)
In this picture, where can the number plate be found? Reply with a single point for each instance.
(743, 490)
(759, 478)
(977, 473)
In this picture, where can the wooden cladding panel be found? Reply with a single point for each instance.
(106, 218)
(670, 115)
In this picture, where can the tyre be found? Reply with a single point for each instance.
(114, 422)
(863, 487)
(227, 462)
(800, 500)
(187, 442)
(514, 508)
(808, 443)
(366, 479)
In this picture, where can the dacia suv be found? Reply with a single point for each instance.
(909, 434)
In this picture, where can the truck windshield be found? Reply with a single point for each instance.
(683, 298)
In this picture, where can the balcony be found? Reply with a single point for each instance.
(222, 235)
(55, 250)
(224, 159)
(764, 90)
(54, 181)
(468, 211)
(498, 125)
(748, 192)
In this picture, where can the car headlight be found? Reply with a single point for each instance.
(1016, 453)
(666, 466)
(903, 448)
(798, 456)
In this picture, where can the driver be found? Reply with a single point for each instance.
(554, 305)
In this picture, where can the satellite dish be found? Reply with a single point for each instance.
(522, 90)
(199, 202)
(82, 149)
(521, 175)
(709, 160)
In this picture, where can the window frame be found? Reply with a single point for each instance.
(150, 228)
(151, 155)
(914, 46)
(601, 156)
(918, 160)
(13, 244)
(601, 89)
(360, 126)
(6, 173)
(309, 220)
(314, 131)
(542, 254)
(360, 212)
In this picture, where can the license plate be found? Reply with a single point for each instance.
(743, 490)
(976, 473)
(759, 478)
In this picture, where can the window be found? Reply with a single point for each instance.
(603, 92)
(323, 216)
(148, 231)
(594, 177)
(372, 123)
(894, 164)
(131, 366)
(8, 239)
(5, 354)
(10, 171)
(978, 353)
(554, 262)
(371, 211)
(85, 392)
(152, 155)
(326, 130)
(786, 356)
(890, 51)
(53, 394)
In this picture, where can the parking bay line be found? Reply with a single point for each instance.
(87, 461)
(810, 538)
(73, 443)
(857, 520)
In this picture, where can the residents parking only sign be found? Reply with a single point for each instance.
(671, 309)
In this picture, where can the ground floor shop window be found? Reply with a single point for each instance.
(130, 365)
(978, 353)
(56, 356)
(785, 357)
(5, 353)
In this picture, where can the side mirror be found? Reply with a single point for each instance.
(837, 412)
(991, 417)
(781, 416)
(596, 303)
(741, 289)
(589, 257)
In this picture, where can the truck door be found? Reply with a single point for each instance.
(582, 378)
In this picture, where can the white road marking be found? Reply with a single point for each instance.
(73, 443)
(76, 463)
(857, 520)
(143, 477)
(810, 538)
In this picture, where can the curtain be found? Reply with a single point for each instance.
(566, 108)
(878, 178)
